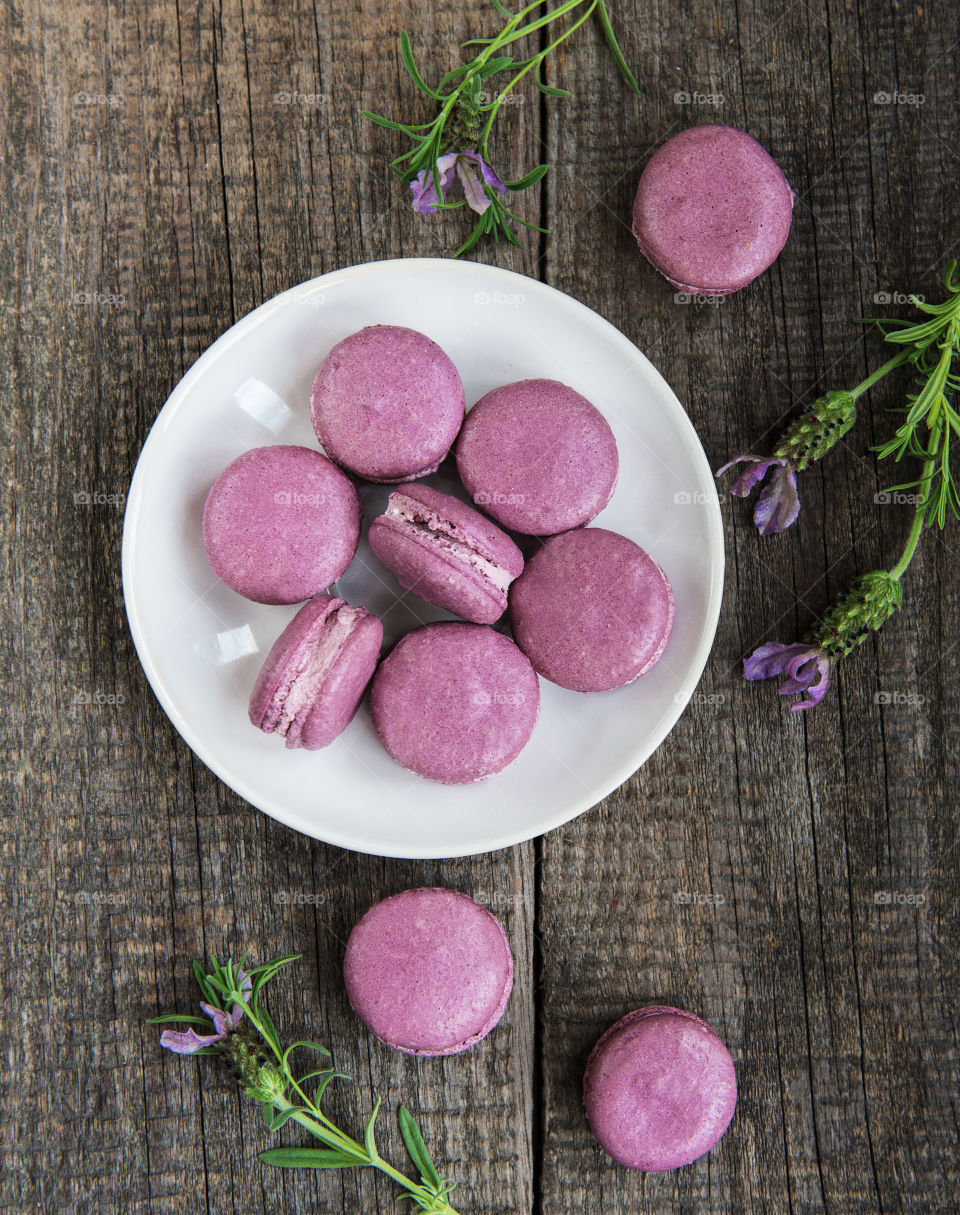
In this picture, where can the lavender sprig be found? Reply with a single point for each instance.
(931, 347)
(245, 1038)
(454, 144)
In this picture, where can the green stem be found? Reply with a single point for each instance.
(920, 513)
(320, 1128)
(897, 361)
(535, 62)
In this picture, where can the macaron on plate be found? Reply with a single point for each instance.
(206, 647)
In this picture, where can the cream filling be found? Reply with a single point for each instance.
(447, 537)
(317, 658)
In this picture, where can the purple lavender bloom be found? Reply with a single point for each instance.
(188, 1041)
(802, 663)
(426, 197)
(778, 504)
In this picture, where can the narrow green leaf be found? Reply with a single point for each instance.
(417, 1148)
(549, 90)
(369, 1141)
(309, 1044)
(275, 1118)
(205, 990)
(499, 63)
(528, 179)
(308, 1158)
(407, 54)
(614, 46)
(391, 125)
(328, 1078)
(171, 1018)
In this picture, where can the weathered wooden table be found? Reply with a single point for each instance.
(792, 878)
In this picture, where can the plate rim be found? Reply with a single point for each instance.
(175, 400)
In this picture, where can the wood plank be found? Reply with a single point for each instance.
(185, 187)
(736, 874)
(167, 169)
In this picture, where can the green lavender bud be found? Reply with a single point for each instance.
(247, 1059)
(812, 435)
(865, 607)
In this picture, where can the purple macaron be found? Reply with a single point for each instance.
(281, 524)
(316, 673)
(387, 404)
(591, 610)
(660, 1089)
(429, 971)
(455, 702)
(712, 210)
(537, 457)
(446, 553)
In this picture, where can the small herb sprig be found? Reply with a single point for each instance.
(455, 142)
(244, 1036)
(931, 347)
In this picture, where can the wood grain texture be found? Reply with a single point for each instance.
(165, 169)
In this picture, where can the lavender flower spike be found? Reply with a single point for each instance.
(426, 197)
(802, 663)
(778, 504)
(188, 1041)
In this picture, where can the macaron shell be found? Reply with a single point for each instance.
(387, 404)
(439, 548)
(342, 690)
(471, 525)
(281, 524)
(592, 610)
(660, 1089)
(537, 457)
(329, 706)
(712, 209)
(455, 702)
(434, 578)
(429, 971)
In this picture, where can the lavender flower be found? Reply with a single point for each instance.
(188, 1041)
(805, 441)
(778, 504)
(865, 607)
(426, 197)
(802, 663)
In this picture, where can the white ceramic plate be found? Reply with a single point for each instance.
(201, 645)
